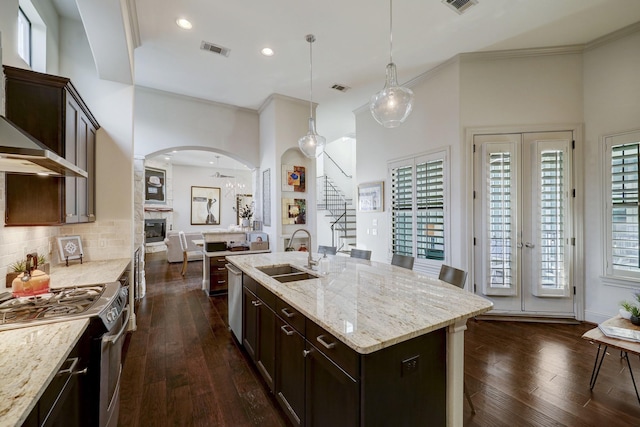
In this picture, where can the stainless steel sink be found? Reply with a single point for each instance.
(293, 277)
(286, 273)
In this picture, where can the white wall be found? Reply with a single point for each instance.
(434, 124)
(167, 121)
(611, 105)
(283, 121)
(185, 177)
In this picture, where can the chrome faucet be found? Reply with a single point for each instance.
(311, 262)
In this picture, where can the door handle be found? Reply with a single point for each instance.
(529, 245)
(519, 245)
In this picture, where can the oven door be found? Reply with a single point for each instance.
(110, 370)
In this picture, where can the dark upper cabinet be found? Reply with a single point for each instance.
(50, 109)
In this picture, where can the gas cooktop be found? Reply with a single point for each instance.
(64, 304)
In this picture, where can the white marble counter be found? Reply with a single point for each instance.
(87, 273)
(29, 359)
(366, 304)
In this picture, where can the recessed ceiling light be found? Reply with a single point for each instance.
(184, 24)
(267, 51)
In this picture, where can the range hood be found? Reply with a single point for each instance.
(21, 153)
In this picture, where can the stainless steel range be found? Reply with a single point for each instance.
(105, 305)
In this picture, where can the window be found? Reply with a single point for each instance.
(418, 205)
(622, 232)
(24, 36)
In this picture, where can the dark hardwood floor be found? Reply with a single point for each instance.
(182, 367)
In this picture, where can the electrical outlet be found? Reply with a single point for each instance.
(374, 231)
(50, 248)
(410, 366)
(102, 243)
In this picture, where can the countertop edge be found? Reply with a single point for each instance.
(275, 287)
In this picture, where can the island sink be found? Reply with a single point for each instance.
(286, 273)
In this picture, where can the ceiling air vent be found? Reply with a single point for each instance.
(341, 88)
(460, 5)
(214, 48)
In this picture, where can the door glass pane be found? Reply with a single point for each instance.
(551, 229)
(499, 184)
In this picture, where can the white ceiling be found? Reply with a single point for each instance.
(352, 46)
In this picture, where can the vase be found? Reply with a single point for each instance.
(245, 222)
(635, 320)
(624, 313)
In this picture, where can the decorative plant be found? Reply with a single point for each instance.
(632, 308)
(245, 211)
(18, 266)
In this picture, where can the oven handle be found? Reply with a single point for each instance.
(123, 329)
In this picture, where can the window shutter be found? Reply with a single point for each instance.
(625, 239)
(402, 209)
(430, 209)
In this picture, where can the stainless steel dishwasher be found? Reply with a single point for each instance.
(235, 301)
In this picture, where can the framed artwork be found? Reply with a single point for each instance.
(154, 186)
(294, 211)
(266, 197)
(371, 197)
(205, 206)
(293, 178)
(70, 247)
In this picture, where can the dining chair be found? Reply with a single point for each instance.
(328, 250)
(361, 253)
(405, 261)
(185, 251)
(457, 278)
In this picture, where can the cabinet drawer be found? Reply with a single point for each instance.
(218, 261)
(266, 296)
(334, 349)
(290, 315)
(249, 283)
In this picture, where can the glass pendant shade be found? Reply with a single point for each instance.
(393, 104)
(312, 144)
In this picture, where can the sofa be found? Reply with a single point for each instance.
(174, 251)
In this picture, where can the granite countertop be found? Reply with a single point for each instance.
(231, 253)
(87, 273)
(29, 359)
(367, 305)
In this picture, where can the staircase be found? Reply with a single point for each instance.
(341, 211)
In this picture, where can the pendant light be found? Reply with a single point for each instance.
(392, 105)
(312, 144)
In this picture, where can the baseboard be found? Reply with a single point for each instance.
(523, 318)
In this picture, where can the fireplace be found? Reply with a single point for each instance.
(155, 230)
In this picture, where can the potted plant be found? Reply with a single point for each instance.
(245, 212)
(14, 271)
(633, 310)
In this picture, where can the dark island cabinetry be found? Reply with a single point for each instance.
(319, 380)
(50, 109)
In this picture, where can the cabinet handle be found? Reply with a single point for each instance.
(289, 331)
(256, 303)
(328, 345)
(287, 313)
(221, 268)
(221, 281)
(70, 369)
(305, 353)
(222, 260)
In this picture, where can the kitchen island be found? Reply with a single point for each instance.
(395, 332)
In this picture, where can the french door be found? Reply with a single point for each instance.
(523, 222)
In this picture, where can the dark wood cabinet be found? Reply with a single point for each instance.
(320, 381)
(50, 109)
(218, 275)
(332, 397)
(290, 375)
(259, 326)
